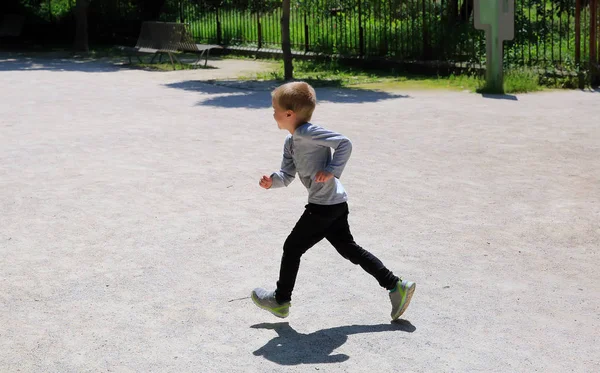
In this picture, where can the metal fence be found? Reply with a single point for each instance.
(562, 34)
(548, 33)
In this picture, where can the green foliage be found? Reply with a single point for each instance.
(336, 74)
(401, 29)
(521, 80)
(48, 9)
(409, 30)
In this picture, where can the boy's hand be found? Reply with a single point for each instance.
(266, 182)
(323, 176)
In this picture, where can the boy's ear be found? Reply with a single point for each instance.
(289, 113)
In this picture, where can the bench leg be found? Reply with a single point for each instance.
(198, 58)
(206, 59)
(197, 62)
(172, 63)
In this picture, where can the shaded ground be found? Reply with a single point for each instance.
(60, 61)
(133, 229)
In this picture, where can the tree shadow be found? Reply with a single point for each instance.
(293, 348)
(69, 61)
(500, 96)
(256, 94)
(9, 62)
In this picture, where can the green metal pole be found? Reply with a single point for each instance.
(497, 19)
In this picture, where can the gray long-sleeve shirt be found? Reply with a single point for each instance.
(307, 152)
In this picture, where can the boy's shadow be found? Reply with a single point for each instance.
(293, 348)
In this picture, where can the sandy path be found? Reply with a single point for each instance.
(132, 228)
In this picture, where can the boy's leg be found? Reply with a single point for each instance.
(400, 291)
(309, 230)
(340, 237)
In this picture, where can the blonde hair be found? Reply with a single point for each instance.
(298, 97)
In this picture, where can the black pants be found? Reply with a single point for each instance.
(330, 222)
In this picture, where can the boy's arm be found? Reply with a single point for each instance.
(340, 143)
(288, 169)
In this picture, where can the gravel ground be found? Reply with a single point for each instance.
(132, 227)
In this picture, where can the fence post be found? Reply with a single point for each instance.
(259, 29)
(594, 37)
(577, 32)
(425, 32)
(598, 35)
(306, 42)
(361, 35)
(593, 41)
(219, 36)
(578, 43)
(50, 10)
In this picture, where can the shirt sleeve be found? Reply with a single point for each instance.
(287, 173)
(341, 144)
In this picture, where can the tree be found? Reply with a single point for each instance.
(465, 7)
(286, 44)
(466, 10)
(81, 28)
(150, 9)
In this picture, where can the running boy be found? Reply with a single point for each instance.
(307, 151)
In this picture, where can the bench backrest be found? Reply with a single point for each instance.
(187, 41)
(160, 35)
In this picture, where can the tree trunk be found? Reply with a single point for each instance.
(152, 9)
(453, 11)
(466, 10)
(81, 30)
(286, 44)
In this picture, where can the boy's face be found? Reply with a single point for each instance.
(285, 118)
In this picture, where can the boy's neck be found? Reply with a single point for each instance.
(293, 129)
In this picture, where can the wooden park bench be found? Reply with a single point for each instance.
(188, 45)
(157, 38)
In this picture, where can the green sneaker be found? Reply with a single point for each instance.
(266, 300)
(400, 297)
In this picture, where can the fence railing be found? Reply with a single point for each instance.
(549, 33)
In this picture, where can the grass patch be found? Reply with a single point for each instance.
(166, 66)
(421, 82)
(522, 80)
(336, 74)
(327, 74)
(515, 81)
(159, 66)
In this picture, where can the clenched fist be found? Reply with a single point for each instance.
(266, 182)
(323, 176)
